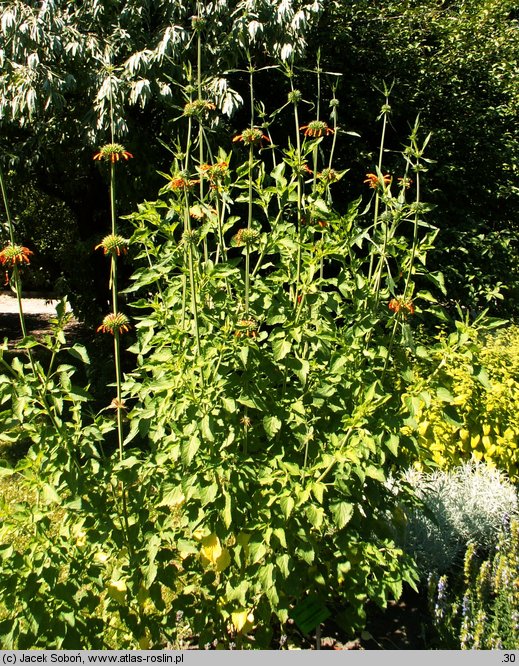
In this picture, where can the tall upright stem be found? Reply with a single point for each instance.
(16, 273)
(377, 195)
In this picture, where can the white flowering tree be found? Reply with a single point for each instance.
(61, 61)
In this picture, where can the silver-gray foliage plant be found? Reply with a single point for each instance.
(471, 503)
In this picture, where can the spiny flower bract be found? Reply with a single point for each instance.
(112, 152)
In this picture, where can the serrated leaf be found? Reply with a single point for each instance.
(208, 494)
(272, 425)
(375, 473)
(206, 426)
(229, 404)
(49, 494)
(79, 394)
(392, 443)
(257, 551)
(283, 562)
(315, 516)
(280, 348)
(444, 395)
(189, 449)
(173, 496)
(342, 513)
(226, 513)
(287, 505)
(318, 491)
(243, 353)
(266, 576)
(79, 351)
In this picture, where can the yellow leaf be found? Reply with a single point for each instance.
(243, 621)
(117, 590)
(213, 554)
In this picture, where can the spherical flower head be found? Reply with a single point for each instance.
(400, 304)
(375, 182)
(198, 108)
(295, 96)
(405, 182)
(115, 324)
(12, 255)
(113, 244)
(215, 172)
(112, 152)
(198, 23)
(190, 237)
(251, 136)
(246, 327)
(245, 237)
(316, 129)
(328, 175)
(182, 182)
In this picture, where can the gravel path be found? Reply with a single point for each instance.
(38, 314)
(31, 305)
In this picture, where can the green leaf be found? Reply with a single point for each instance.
(376, 473)
(50, 495)
(243, 353)
(208, 494)
(257, 551)
(280, 348)
(287, 505)
(315, 515)
(79, 394)
(172, 496)
(283, 562)
(392, 443)
(444, 395)
(229, 404)
(266, 576)
(272, 425)
(189, 449)
(79, 351)
(206, 425)
(226, 513)
(342, 513)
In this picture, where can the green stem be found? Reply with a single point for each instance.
(117, 357)
(299, 201)
(247, 277)
(6, 206)
(415, 234)
(191, 269)
(251, 166)
(377, 195)
(251, 91)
